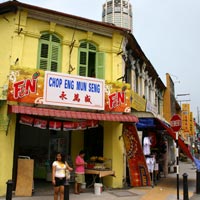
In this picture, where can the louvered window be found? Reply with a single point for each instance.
(91, 62)
(49, 52)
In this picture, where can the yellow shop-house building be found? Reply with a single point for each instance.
(59, 92)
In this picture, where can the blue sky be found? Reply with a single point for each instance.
(167, 31)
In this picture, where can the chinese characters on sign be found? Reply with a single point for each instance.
(35, 86)
(73, 91)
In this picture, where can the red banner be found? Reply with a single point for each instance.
(138, 171)
(79, 125)
(40, 123)
(26, 119)
(55, 125)
(92, 123)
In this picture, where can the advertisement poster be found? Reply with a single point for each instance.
(138, 171)
(25, 85)
(117, 97)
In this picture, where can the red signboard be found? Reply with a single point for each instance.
(176, 122)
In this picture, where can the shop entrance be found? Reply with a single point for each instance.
(93, 142)
(93, 145)
(40, 145)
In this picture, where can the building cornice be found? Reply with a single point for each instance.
(63, 19)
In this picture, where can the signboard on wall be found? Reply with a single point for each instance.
(185, 118)
(117, 97)
(150, 107)
(25, 85)
(30, 85)
(137, 102)
(73, 91)
(192, 124)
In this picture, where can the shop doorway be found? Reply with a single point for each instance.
(40, 145)
(93, 145)
(93, 142)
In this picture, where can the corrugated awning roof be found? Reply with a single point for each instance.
(66, 114)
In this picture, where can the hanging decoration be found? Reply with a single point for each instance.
(40, 123)
(26, 119)
(55, 125)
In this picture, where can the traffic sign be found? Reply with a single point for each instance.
(176, 122)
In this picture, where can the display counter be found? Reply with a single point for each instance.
(100, 172)
(99, 167)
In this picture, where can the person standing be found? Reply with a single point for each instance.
(59, 168)
(79, 172)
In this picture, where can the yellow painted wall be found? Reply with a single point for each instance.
(6, 154)
(6, 132)
(77, 141)
(23, 45)
(7, 29)
(29, 38)
(114, 148)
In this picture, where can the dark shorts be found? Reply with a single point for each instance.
(59, 181)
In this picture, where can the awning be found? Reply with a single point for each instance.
(149, 121)
(181, 143)
(66, 114)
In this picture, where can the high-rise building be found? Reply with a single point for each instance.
(118, 12)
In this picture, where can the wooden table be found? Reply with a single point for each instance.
(98, 173)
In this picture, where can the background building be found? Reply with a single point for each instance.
(118, 12)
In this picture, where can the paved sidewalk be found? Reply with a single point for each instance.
(166, 189)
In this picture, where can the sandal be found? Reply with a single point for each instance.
(76, 193)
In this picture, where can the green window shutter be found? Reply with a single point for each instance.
(54, 58)
(100, 65)
(83, 63)
(43, 60)
(49, 53)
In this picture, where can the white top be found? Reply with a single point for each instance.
(150, 164)
(60, 169)
(146, 146)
